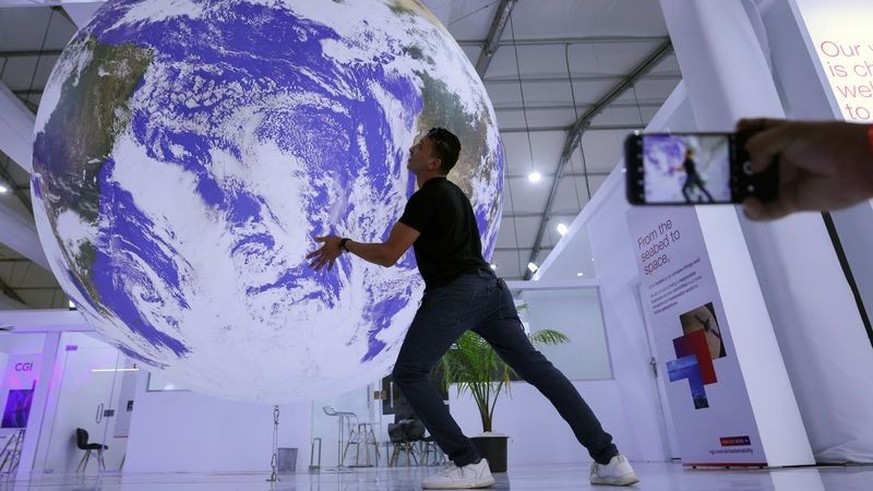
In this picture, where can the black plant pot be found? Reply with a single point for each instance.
(493, 448)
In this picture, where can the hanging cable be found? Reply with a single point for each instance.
(514, 224)
(521, 89)
(472, 13)
(521, 267)
(576, 118)
(639, 109)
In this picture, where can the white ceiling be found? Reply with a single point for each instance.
(607, 62)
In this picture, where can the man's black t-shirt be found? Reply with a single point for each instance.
(449, 244)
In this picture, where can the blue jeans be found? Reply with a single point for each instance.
(483, 303)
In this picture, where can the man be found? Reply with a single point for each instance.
(461, 293)
(822, 165)
(692, 178)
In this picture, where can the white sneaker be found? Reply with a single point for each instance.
(618, 472)
(470, 476)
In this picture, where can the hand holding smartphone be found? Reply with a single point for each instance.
(693, 169)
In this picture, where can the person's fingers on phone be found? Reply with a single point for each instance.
(788, 200)
(765, 145)
(753, 208)
(762, 212)
(752, 125)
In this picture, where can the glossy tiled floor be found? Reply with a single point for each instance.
(655, 477)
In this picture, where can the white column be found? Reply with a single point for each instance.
(19, 234)
(727, 75)
(821, 335)
(38, 408)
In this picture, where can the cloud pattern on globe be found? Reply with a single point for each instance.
(187, 152)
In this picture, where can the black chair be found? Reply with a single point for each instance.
(404, 434)
(82, 443)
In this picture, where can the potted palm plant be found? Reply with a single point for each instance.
(474, 366)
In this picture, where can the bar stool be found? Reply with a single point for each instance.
(363, 435)
(347, 422)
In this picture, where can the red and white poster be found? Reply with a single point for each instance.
(708, 399)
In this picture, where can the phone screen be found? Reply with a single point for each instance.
(690, 168)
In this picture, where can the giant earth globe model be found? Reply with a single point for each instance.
(187, 153)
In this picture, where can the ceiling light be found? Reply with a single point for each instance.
(562, 229)
(98, 370)
(579, 275)
(3, 188)
(534, 176)
(532, 267)
(494, 267)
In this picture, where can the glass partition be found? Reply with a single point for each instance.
(94, 388)
(576, 312)
(335, 421)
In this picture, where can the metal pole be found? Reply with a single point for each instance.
(274, 461)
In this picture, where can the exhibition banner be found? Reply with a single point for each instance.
(19, 382)
(842, 41)
(710, 406)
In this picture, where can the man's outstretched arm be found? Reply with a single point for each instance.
(386, 253)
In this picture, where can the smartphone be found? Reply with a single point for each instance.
(693, 169)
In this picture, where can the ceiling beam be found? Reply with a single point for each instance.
(569, 214)
(21, 192)
(535, 129)
(564, 107)
(16, 129)
(574, 134)
(492, 42)
(573, 40)
(7, 304)
(24, 94)
(30, 53)
(7, 290)
(20, 235)
(513, 249)
(45, 320)
(577, 78)
(552, 174)
(16, 141)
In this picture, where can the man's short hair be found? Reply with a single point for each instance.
(446, 147)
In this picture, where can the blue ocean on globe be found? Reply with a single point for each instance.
(187, 152)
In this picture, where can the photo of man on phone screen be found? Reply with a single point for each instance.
(683, 168)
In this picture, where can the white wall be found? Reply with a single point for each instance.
(182, 431)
